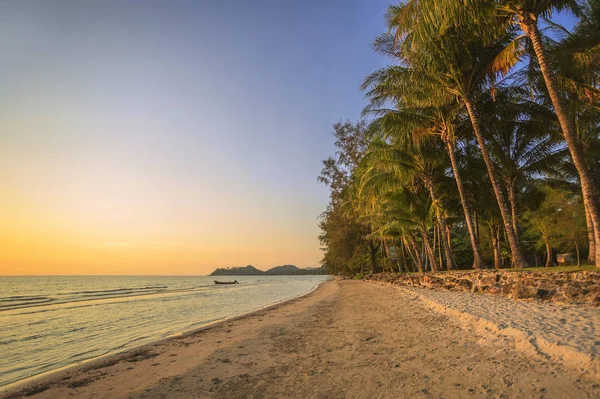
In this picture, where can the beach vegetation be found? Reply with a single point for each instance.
(479, 146)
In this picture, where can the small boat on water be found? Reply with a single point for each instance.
(226, 282)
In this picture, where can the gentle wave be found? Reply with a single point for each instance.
(114, 290)
(24, 302)
(53, 322)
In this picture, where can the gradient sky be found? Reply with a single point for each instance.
(172, 137)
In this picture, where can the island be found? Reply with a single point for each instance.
(283, 270)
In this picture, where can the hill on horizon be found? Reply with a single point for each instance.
(249, 270)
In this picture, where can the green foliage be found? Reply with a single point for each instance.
(559, 220)
(358, 276)
(465, 157)
(344, 236)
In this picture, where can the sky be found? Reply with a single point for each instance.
(145, 137)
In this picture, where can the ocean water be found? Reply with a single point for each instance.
(48, 323)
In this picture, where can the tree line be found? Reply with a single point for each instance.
(479, 145)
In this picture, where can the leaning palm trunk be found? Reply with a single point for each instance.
(429, 251)
(529, 25)
(495, 233)
(373, 256)
(516, 255)
(477, 262)
(435, 243)
(449, 236)
(399, 251)
(443, 232)
(440, 258)
(548, 250)
(512, 199)
(590, 231)
(386, 256)
(414, 254)
(406, 265)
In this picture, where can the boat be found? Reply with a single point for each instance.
(226, 282)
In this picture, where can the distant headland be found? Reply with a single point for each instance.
(284, 270)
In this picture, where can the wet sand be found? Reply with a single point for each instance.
(348, 339)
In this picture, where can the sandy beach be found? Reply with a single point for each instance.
(352, 339)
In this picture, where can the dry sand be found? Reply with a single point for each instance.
(568, 334)
(346, 339)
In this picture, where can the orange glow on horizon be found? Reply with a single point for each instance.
(137, 238)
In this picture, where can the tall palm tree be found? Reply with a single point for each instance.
(458, 63)
(394, 85)
(525, 15)
(577, 59)
(521, 142)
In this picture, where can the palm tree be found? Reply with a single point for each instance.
(457, 64)
(388, 191)
(521, 142)
(412, 212)
(481, 195)
(528, 12)
(411, 165)
(509, 16)
(416, 124)
(577, 59)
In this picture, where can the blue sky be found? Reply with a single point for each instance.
(196, 122)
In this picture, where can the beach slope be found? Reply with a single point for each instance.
(346, 339)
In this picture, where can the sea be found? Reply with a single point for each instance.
(48, 323)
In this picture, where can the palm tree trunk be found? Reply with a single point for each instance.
(496, 246)
(577, 251)
(590, 230)
(499, 245)
(548, 251)
(588, 188)
(373, 255)
(512, 198)
(477, 261)
(517, 256)
(385, 256)
(416, 257)
(476, 220)
(440, 247)
(429, 251)
(449, 236)
(412, 265)
(442, 223)
(435, 234)
(399, 250)
(425, 258)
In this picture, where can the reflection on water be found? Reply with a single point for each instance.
(51, 322)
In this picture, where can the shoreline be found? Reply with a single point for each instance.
(48, 377)
(344, 339)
